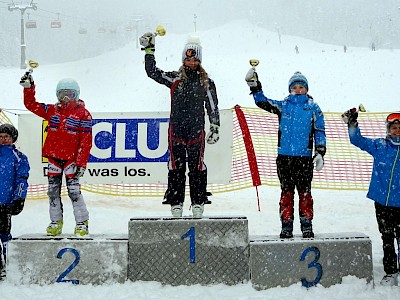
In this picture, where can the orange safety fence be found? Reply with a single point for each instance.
(346, 167)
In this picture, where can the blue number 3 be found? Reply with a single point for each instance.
(71, 266)
(312, 264)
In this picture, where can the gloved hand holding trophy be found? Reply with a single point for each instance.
(148, 40)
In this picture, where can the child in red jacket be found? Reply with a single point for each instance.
(67, 147)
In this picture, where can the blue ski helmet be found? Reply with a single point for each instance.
(68, 84)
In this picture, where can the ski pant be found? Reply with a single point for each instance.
(74, 192)
(388, 219)
(192, 148)
(295, 172)
(5, 234)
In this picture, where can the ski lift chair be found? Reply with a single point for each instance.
(55, 24)
(30, 24)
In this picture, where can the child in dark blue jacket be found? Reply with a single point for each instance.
(301, 130)
(384, 186)
(14, 173)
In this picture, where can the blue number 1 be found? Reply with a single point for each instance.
(71, 267)
(312, 264)
(191, 234)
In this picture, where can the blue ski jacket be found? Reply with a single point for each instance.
(14, 173)
(301, 123)
(384, 186)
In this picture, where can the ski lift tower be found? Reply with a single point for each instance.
(137, 19)
(195, 22)
(22, 8)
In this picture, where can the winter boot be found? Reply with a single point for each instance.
(389, 279)
(287, 230)
(55, 228)
(306, 228)
(177, 210)
(308, 235)
(3, 273)
(198, 210)
(82, 228)
(2, 266)
(175, 192)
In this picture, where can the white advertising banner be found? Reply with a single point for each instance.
(128, 148)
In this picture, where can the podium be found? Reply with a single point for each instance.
(186, 251)
(323, 260)
(92, 259)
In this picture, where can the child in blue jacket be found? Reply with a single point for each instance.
(14, 173)
(301, 130)
(384, 186)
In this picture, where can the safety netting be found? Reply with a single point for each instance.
(254, 151)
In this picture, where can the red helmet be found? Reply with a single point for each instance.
(391, 119)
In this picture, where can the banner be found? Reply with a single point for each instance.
(128, 148)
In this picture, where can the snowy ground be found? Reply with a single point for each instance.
(335, 212)
(337, 81)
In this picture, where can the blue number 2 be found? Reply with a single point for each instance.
(191, 234)
(312, 264)
(71, 267)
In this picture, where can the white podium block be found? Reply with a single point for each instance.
(324, 260)
(186, 251)
(92, 259)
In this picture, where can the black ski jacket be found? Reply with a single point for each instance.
(188, 96)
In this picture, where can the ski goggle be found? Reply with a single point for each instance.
(393, 117)
(191, 53)
(70, 94)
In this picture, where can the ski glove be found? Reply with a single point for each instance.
(320, 149)
(350, 116)
(79, 172)
(148, 41)
(318, 159)
(318, 162)
(213, 135)
(27, 80)
(252, 81)
(17, 206)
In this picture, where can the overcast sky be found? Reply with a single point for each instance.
(341, 22)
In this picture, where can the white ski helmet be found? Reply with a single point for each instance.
(68, 84)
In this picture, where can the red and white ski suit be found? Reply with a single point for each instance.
(69, 132)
